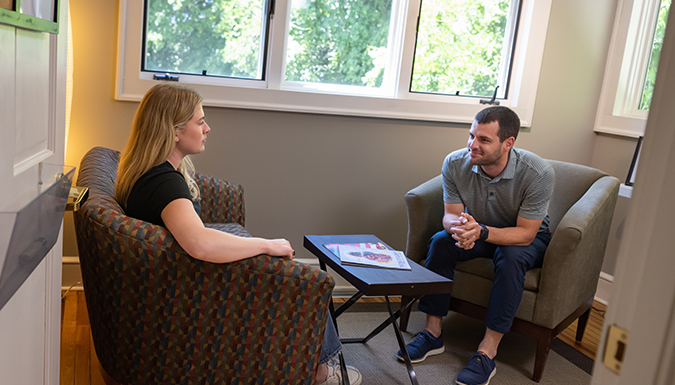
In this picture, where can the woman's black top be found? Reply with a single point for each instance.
(154, 190)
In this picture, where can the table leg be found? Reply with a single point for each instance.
(343, 369)
(382, 326)
(401, 344)
(347, 305)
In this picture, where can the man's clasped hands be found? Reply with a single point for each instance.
(465, 230)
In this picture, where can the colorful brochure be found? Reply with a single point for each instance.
(369, 254)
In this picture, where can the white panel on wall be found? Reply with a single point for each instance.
(32, 130)
(7, 47)
(24, 319)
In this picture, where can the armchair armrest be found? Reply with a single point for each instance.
(425, 209)
(222, 201)
(575, 254)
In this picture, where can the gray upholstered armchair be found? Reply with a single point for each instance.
(559, 292)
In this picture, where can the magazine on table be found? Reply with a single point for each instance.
(373, 255)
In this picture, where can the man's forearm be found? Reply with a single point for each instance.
(510, 236)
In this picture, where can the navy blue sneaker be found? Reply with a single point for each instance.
(424, 345)
(478, 371)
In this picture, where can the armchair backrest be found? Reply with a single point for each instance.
(425, 203)
(571, 183)
(98, 172)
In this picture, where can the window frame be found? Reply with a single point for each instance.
(627, 63)
(506, 63)
(273, 93)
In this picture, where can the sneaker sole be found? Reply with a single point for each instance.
(431, 352)
(494, 371)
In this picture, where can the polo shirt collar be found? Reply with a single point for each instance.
(509, 171)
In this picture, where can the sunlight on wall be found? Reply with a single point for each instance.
(69, 82)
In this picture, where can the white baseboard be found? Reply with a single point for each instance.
(71, 277)
(604, 290)
(72, 280)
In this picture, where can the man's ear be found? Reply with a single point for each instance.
(508, 143)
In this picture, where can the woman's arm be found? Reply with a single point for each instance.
(212, 245)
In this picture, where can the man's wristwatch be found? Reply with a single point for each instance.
(484, 232)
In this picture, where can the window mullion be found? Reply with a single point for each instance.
(276, 60)
(395, 46)
(508, 48)
(408, 52)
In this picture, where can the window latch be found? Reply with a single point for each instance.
(167, 76)
(492, 101)
(273, 5)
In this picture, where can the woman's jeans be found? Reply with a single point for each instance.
(511, 264)
(331, 342)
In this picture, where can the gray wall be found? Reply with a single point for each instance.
(322, 174)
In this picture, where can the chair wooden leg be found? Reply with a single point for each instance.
(544, 341)
(542, 335)
(581, 324)
(405, 315)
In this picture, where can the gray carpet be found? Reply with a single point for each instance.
(378, 364)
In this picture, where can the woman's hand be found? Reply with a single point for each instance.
(280, 248)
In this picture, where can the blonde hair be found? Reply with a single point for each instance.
(164, 110)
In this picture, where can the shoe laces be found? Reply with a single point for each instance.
(416, 335)
(423, 333)
(478, 360)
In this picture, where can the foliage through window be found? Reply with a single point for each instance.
(650, 76)
(212, 37)
(338, 42)
(464, 46)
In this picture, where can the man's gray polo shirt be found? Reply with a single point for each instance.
(524, 188)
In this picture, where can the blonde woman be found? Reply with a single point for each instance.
(154, 185)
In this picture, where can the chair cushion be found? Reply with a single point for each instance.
(484, 267)
(231, 228)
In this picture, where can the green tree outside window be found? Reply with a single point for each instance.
(338, 41)
(221, 37)
(459, 46)
(657, 44)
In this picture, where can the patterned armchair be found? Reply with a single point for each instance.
(159, 316)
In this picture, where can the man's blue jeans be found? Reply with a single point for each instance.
(511, 264)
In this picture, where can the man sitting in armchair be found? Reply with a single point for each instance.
(496, 201)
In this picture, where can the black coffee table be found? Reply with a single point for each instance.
(374, 281)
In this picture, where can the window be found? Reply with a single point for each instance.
(338, 42)
(632, 62)
(464, 47)
(351, 57)
(218, 38)
(657, 43)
